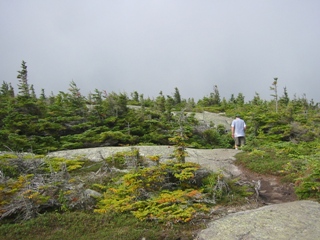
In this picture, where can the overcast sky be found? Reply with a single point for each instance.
(150, 46)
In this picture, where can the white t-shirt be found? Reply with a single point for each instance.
(239, 126)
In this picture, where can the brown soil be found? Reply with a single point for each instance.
(272, 190)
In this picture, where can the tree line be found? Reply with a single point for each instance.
(69, 120)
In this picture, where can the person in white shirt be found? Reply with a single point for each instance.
(238, 129)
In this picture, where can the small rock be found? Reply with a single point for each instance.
(92, 193)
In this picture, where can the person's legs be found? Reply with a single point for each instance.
(236, 142)
(242, 141)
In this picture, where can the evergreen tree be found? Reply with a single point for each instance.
(215, 96)
(23, 80)
(6, 89)
(169, 106)
(284, 100)
(256, 100)
(116, 104)
(224, 104)
(75, 98)
(160, 103)
(232, 99)
(240, 99)
(135, 97)
(213, 99)
(43, 95)
(176, 96)
(190, 104)
(6, 102)
(33, 93)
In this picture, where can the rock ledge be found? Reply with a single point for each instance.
(295, 221)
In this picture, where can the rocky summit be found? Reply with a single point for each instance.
(297, 220)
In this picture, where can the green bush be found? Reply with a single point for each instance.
(308, 186)
(167, 192)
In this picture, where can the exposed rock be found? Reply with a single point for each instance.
(286, 221)
(92, 193)
(213, 159)
(208, 118)
(100, 153)
(292, 220)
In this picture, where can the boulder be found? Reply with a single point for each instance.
(286, 221)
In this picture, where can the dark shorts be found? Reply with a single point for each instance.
(240, 141)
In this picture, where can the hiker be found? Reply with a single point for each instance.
(238, 129)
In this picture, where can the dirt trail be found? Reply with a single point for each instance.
(272, 190)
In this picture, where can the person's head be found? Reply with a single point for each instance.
(237, 115)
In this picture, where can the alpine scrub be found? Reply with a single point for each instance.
(169, 192)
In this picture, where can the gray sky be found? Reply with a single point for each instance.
(150, 46)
